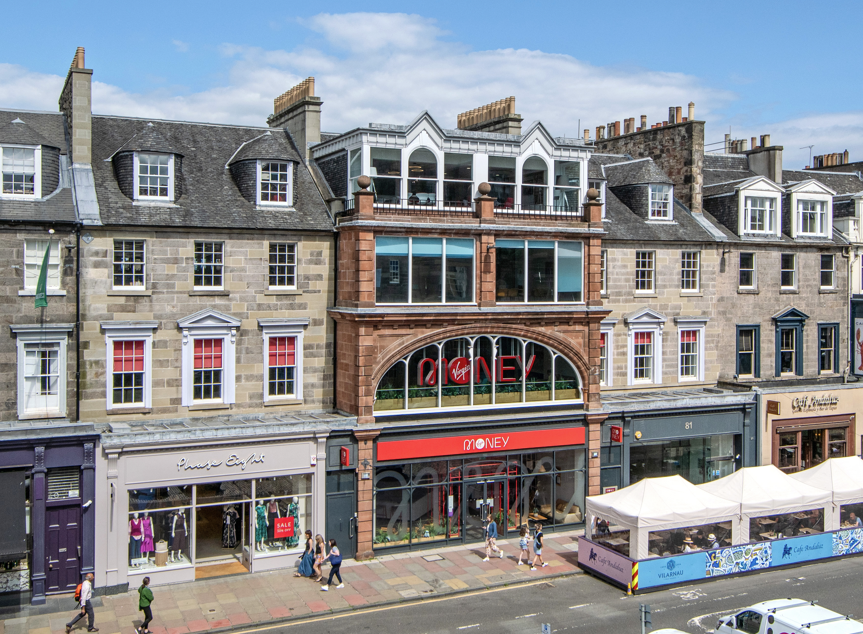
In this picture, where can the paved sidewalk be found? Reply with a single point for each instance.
(269, 597)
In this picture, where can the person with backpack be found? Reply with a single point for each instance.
(83, 594)
(491, 538)
(335, 558)
(537, 548)
(145, 598)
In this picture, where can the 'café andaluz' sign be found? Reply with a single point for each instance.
(231, 461)
(822, 403)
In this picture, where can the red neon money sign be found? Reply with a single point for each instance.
(458, 370)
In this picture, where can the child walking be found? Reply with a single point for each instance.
(537, 548)
(335, 558)
(522, 545)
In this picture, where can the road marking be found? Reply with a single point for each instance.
(689, 595)
(583, 605)
(527, 616)
(467, 627)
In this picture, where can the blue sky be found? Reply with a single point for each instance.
(791, 69)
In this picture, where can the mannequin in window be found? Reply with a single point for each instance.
(230, 518)
(147, 545)
(136, 534)
(178, 532)
(272, 513)
(294, 511)
(260, 525)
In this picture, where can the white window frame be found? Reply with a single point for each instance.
(657, 198)
(820, 217)
(603, 272)
(645, 320)
(760, 188)
(143, 286)
(37, 167)
(652, 289)
(699, 326)
(209, 324)
(697, 270)
(276, 327)
(129, 331)
(296, 246)
(136, 192)
(821, 270)
(754, 270)
(289, 196)
(794, 272)
(606, 327)
(47, 334)
(222, 265)
(52, 284)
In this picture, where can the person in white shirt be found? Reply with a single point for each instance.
(86, 606)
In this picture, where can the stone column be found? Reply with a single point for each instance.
(365, 491)
(37, 517)
(88, 514)
(594, 440)
(364, 200)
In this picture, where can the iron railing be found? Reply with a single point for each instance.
(410, 207)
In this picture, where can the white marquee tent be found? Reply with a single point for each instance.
(766, 490)
(656, 504)
(842, 476)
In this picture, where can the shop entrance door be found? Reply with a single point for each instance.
(481, 498)
(62, 548)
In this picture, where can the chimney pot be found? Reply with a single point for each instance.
(678, 114)
(586, 135)
(671, 114)
(743, 145)
(691, 116)
(845, 157)
(754, 143)
(617, 128)
(643, 121)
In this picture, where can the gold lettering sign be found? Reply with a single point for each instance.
(806, 404)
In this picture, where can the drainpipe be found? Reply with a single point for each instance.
(335, 269)
(78, 322)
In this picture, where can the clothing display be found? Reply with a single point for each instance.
(179, 531)
(294, 511)
(230, 519)
(260, 523)
(134, 549)
(135, 537)
(272, 514)
(147, 545)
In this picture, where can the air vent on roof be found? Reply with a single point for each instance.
(64, 483)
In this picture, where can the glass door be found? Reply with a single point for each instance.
(481, 499)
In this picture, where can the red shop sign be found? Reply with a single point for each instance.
(284, 527)
(616, 433)
(479, 443)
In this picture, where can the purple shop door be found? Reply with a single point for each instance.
(62, 547)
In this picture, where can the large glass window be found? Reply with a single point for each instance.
(160, 515)
(19, 171)
(386, 171)
(355, 168)
(129, 264)
(458, 177)
(552, 270)
(811, 217)
(534, 184)
(282, 513)
(567, 185)
(501, 177)
(414, 270)
(759, 214)
(698, 460)
(422, 177)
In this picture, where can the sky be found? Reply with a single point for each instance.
(789, 69)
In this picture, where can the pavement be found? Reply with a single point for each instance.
(238, 601)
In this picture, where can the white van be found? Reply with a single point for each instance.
(788, 616)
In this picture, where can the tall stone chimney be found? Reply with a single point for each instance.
(75, 104)
(498, 116)
(766, 159)
(299, 111)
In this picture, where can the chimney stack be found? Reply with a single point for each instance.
(845, 157)
(765, 140)
(75, 104)
(498, 116)
(728, 144)
(587, 135)
(299, 111)
(691, 115)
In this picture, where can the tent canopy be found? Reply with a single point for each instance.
(843, 476)
(766, 490)
(656, 503)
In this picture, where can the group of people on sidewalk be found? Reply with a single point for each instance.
(523, 542)
(84, 595)
(313, 558)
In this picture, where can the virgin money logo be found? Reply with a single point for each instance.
(459, 370)
(490, 443)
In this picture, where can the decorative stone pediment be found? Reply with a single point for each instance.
(210, 320)
(644, 316)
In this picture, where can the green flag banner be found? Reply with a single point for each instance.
(42, 284)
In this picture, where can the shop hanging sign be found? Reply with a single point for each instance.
(858, 348)
(616, 433)
(231, 461)
(487, 442)
(284, 527)
(806, 404)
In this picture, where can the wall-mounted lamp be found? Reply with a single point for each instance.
(489, 247)
(594, 454)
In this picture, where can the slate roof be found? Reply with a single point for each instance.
(623, 224)
(724, 168)
(149, 139)
(597, 161)
(268, 146)
(210, 197)
(38, 128)
(840, 182)
(724, 187)
(639, 172)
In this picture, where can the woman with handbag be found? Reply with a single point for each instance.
(335, 558)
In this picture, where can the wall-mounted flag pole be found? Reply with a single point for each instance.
(42, 284)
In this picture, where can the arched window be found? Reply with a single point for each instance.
(534, 184)
(487, 370)
(422, 177)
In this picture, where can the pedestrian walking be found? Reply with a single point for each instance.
(145, 598)
(335, 558)
(522, 545)
(491, 538)
(86, 606)
(320, 553)
(307, 559)
(537, 548)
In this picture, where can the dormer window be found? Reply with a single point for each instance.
(155, 174)
(811, 216)
(20, 167)
(660, 202)
(274, 183)
(759, 215)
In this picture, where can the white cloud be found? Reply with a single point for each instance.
(390, 67)
(182, 47)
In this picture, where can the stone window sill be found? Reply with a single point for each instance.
(41, 415)
(31, 292)
(646, 294)
(691, 294)
(283, 401)
(129, 293)
(283, 291)
(828, 291)
(748, 291)
(206, 406)
(128, 410)
(788, 291)
(213, 292)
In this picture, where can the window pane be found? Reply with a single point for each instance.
(566, 383)
(538, 381)
(422, 192)
(459, 270)
(540, 271)
(504, 195)
(458, 167)
(426, 266)
(567, 173)
(422, 164)
(423, 378)
(827, 271)
(386, 162)
(391, 270)
(509, 256)
(19, 171)
(391, 389)
(569, 274)
(128, 263)
(457, 194)
(534, 174)
(501, 169)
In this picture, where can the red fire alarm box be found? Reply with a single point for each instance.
(345, 456)
(284, 527)
(616, 433)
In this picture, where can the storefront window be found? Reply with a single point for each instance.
(770, 527)
(282, 513)
(698, 460)
(160, 539)
(809, 447)
(165, 497)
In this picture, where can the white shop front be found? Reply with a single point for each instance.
(175, 513)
